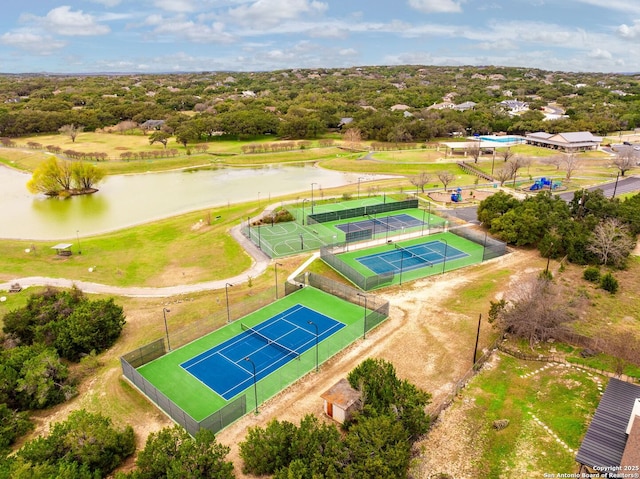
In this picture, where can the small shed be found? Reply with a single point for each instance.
(341, 401)
(63, 249)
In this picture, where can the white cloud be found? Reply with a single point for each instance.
(190, 31)
(600, 54)
(437, 6)
(64, 21)
(629, 32)
(329, 31)
(107, 3)
(268, 13)
(32, 42)
(626, 6)
(182, 6)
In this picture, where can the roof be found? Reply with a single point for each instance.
(606, 438)
(341, 394)
(579, 137)
(631, 455)
(62, 246)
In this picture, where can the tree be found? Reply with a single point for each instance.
(625, 160)
(71, 131)
(84, 438)
(535, 311)
(383, 393)
(353, 137)
(495, 205)
(503, 174)
(43, 381)
(378, 447)
(474, 151)
(571, 163)
(159, 137)
(506, 154)
(446, 177)
(51, 177)
(13, 424)
(85, 175)
(420, 180)
(172, 453)
(611, 242)
(264, 451)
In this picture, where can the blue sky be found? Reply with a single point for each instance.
(89, 36)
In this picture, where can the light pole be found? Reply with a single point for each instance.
(78, 238)
(276, 270)
(303, 210)
(364, 332)
(316, 326)
(255, 386)
(475, 349)
(301, 242)
(226, 294)
(166, 328)
(615, 187)
(312, 196)
(444, 261)
(359, 186)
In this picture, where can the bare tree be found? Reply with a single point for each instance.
(611, 242)
(624, 347)
(503, 174)
(420, 180)
(125, 126)
(353, 137)
(625, 160)
(446, 177)
(71, 131)
(506, 154)
(555, 160)
(526, 162)
(474, 151)
(571, 163)
(535, 311)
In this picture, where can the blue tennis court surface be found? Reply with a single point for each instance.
(411, 257)
(388, 223)
(270, 345)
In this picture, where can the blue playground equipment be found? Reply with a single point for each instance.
(457, 195)
(543, 183)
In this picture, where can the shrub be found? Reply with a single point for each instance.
(609, 283)
(591, 274)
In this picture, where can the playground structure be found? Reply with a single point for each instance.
(456, 196)
(545, 183)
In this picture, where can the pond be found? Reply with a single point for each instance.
(127, 200)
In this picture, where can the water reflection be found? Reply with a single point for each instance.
(132, 199)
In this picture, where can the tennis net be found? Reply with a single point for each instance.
(381, 223)
(269, 341)
(411, 254)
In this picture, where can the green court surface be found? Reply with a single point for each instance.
(282, 239)
(474, 252)
(199, 401)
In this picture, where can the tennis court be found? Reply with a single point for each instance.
(228, 367)
(388, 223)
(412, 257)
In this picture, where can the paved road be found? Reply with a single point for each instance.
(625, 185)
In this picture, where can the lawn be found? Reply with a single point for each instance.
(548, 407)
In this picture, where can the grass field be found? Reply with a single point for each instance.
(548, 407)
(199, 401)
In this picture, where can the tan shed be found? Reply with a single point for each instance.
(340, 401)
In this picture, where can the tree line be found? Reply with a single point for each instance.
(304, 104)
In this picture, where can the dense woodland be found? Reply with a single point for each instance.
(300, 104)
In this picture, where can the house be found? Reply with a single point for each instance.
(341, 401)
(514, 106)
(567, 142)
(152, 125)
(467, 105)
(612, 442)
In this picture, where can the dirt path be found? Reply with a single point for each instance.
(420, 338)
